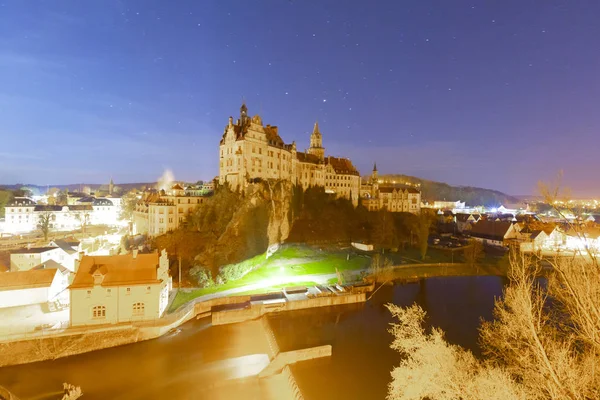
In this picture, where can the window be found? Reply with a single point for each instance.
(128, 291)
(138, 309)
(99, 312)
(108, 292)
(148, 289)
(89, 293)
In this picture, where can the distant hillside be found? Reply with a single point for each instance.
(473, 196)
(125, 187)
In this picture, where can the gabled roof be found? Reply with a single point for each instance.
(27, 279)
(121, 270)
(51, 264)
(493, 230)
(536, 233)
(177, 186)
(67, 247)
(33, 250)
(463, 217)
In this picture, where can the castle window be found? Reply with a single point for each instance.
(259, 150)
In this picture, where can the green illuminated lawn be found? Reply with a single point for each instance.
(288, 262)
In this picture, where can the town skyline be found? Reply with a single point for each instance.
(471, 95)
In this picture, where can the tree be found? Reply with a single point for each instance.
(544, 342)
(384, 230)
(424, 224)
(435, 370)
(62, 197)
(473, 252)
(44, 223)
(128, 206)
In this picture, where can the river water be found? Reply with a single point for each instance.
(181, 366)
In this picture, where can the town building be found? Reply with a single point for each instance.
(250, 150)
(494, 233)
(464, 222)
(158, 212)
(393, 198)
(123, 288)
(35, 286)
(23, 214)
(27, 258)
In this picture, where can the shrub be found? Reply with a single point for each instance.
(202, 276)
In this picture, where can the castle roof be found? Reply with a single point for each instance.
(307, 158)
(341, 165)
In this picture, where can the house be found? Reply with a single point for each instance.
(494, 233)
(69, 254)
(26, 258)
(34, 286)
(464, 222)
(122, 288)
(583, 239)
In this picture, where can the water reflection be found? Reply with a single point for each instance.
(187, 364)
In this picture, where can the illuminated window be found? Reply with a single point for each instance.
(138, 309)
(99, 312)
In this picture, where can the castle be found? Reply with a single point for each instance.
(390, 197)
(250, 150)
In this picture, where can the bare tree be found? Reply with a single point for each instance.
(433, 369)
(544, 342)
(473, 252)
(426, 219)
(44, 223)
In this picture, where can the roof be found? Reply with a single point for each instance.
(177, 186)
(51, 264)
(21, 202)
(66, 246)
(33, 250)
(390, 189)
(307, 158)
(341, 165)
(88, 199)
(48, 208)
(273, 136)
(118, 270)
(493, 230)
(536, 233)
(463, 217)
(80, 207)
(102, 202)
(27, 279)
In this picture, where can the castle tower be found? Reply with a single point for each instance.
(243, 114)
(316, 143)
(374, 182)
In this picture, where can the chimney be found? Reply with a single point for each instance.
(134, 252)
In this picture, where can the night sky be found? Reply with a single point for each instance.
(472, 93)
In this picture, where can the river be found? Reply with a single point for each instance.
(181, 366)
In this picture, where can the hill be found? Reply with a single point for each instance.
(75, 187)
(432, 190)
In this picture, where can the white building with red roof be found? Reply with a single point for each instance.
(122, 288)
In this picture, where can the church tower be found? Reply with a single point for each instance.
(111, 187)
(316, 143)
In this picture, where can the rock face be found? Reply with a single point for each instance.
(262, 218)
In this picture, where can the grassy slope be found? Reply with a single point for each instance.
(290, 261)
